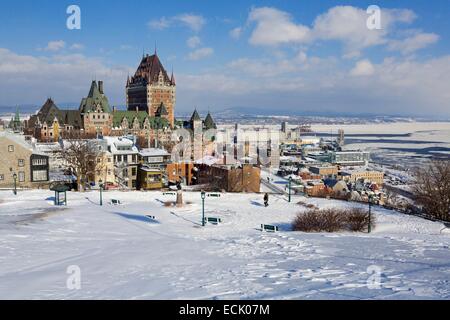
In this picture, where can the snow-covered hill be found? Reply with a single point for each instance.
(123, 254)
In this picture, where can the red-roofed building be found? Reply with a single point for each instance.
(150, 88)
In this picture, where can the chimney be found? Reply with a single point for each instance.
(100, 86)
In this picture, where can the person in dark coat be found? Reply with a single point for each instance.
(266, 200)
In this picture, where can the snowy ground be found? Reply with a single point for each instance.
(123, 254)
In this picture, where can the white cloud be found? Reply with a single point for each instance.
(193, 42)
(363, 68)
(236, 33)
(125, 47)
(308, 83)
(200, 53)
(413, 43)
(349, 25)
(192, 21)
(161, 23)
(345, 24)
(77, 46)
(65, 77)
(54, 46)
(274, 27)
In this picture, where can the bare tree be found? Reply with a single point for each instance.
(83, 157)
(432, 189)
(392, 197)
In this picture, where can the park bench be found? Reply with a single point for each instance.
(269, 228)
(216, 195)
(213, 220)
(169, 193)
(115, 202)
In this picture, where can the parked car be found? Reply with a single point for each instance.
(111, 186)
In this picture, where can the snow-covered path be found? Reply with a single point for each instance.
(123, 254)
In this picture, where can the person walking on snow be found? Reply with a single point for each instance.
(266, 200)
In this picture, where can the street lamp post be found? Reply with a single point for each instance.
(290, 182)
(203, 194)
(369, 228)
(15, 183)
(101, 191)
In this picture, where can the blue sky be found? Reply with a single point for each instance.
(273, 55)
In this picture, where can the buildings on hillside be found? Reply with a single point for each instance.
(92, 118)
(125, 160)
(20, 162)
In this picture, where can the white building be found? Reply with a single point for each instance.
(125, 157)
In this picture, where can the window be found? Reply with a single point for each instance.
(2, 177)
(21, 163)
(40, 175)
(21, 176)
(10, 148)
(133, 183)
(133, 171)
(39, 162)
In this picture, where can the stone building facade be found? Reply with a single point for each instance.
(19, 158)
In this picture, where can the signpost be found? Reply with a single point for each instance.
(60, 194)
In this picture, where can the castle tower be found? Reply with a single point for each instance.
(95, 111)
(150, 86)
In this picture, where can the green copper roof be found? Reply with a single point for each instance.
(154, 122)
(162, 111)
(17, 115)
(94, 98)
(195, 116)
(209, 122)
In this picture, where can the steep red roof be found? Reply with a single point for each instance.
(148, 71)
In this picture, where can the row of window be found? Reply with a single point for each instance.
(21, 176)
(99, 117)
(39, 162)
(39, 175)
(124, 158)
